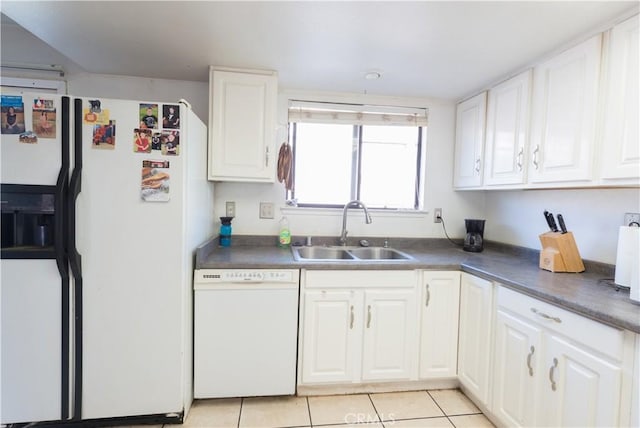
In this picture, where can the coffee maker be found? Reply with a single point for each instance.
(475, 234)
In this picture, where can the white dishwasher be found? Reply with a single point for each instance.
(245, 332)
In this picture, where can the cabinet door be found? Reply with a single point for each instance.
(332, 320)
(507, 128)
(470, 124)
(565, 94)
(476, 300)
(242, 117)
(620, 146)
(580, 388)
(516, 368)
(390, 335)
(439, 324)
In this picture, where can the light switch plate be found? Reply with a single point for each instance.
(266, 209)
(230, 207)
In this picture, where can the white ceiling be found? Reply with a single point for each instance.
(442, 49)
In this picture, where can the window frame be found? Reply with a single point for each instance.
(356, 175)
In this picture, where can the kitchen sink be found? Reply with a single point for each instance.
(348, 254)
(321, 253)
(378, 253)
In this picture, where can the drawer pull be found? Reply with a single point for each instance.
(529, 360)
(426, 303)
(478, 165)
(545, 316)
(368, 316)
(351, 316)
(551, 370)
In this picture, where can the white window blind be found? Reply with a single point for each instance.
(354, 114)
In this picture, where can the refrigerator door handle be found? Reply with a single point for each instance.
(61, 226)
(75, 260)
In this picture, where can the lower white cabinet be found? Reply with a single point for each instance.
(440, 304)
(358, 326)
(556, 368)
(474, 345)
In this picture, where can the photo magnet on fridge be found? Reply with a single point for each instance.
(142, 140)
(148, 116)
(155, 181)
(12, 109)
(44, 118)
(171, 116)
(104, 136)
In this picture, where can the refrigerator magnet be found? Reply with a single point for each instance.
(142, 140)
(104, 136)
(155, 181)
(171, 143)
(148, 116)
(12, 109)
(171, 116)
(44, 118)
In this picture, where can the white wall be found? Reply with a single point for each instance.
(438, 184)
(513, 217)
(592, 215)
(143, 89)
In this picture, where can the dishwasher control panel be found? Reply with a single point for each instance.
(208, 276)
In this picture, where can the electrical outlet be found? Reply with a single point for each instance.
(266, 209)
(437, 215)
(631, 218)
(230, 208)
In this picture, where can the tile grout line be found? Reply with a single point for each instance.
(441, 409)
(240, 412)
(375, 410)
(309, 411)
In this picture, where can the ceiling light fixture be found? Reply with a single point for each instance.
(373, 75)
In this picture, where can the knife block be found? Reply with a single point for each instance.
(560, 253)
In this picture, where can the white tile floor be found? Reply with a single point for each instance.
(415, 409)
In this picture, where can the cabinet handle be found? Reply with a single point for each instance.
(545, 316)
(368, 316)
(551, 370)
(478, 165)
(535, 156)
(426, 303)
(520, 158)
(351, 317)
(529, 360)
(266, 156)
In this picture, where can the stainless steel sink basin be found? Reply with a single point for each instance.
(321, 253)
(378, 253)
(359, 254)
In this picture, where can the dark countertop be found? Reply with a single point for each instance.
(585, 293)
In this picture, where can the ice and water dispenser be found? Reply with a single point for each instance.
(28, 214)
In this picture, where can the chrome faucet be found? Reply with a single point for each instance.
(355, 204)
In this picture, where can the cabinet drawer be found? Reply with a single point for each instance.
(353, 279)
(598, 336)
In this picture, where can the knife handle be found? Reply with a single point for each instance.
(563, 227)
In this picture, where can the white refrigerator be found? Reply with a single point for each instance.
(99, 229)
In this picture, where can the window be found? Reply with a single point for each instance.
(345, 152)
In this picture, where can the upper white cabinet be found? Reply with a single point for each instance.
(439, 324)
(563, 127)
(470, 126)
(507, 131)
(620, 146)
(242, 118)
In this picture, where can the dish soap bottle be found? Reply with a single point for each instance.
(284, 238)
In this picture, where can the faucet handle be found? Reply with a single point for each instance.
(386, 243)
